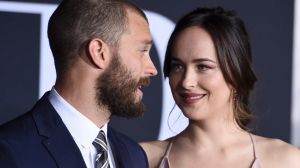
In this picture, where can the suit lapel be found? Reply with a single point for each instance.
(119, 149)
(58, 140)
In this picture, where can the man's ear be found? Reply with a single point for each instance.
(98, 53)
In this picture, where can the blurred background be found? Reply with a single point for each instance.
(27, 69)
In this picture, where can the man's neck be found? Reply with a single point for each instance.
(84, 101)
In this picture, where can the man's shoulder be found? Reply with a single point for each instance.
(24, 123)
(17, 127)
(125, 143)
(122, 138)
(127, 150)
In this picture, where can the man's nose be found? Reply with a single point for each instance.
(150, 68)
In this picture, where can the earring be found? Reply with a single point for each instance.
(235, 95)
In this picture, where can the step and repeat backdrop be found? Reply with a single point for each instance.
(27, 69)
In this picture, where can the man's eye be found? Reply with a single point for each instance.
(145, 49)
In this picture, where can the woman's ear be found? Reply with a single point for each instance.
(98, 53)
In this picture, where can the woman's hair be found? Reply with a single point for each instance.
(231, 41)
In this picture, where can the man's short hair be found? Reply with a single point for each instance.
(75, 22)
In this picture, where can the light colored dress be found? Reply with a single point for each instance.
(165, 160)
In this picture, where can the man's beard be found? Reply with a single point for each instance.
(116, 90)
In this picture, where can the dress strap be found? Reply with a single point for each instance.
(256, 162)
(253, 145)
(165, 159)
(169, 148)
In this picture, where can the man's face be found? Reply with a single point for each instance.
(119, 88)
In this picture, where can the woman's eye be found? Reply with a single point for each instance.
(203, 67)
(176, 67)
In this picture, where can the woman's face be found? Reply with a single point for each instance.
(196, 80)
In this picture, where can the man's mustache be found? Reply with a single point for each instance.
(144, 82)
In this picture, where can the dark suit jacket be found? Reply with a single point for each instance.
(39, 139)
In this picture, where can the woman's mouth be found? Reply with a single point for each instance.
(191, 98)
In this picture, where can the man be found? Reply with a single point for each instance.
(101, 53)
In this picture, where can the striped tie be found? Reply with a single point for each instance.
(101, 147)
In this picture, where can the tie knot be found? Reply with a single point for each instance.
(100, 142)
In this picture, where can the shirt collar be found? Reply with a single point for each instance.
(83, 130)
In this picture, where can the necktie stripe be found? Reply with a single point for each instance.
(105, 165)
(101, 147)
(100, 142)
(98, 156)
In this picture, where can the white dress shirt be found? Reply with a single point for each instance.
(83, 130)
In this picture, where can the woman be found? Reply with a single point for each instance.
(208, 62)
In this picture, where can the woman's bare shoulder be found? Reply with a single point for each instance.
(277, 153)
(155, 147)
(155, 151)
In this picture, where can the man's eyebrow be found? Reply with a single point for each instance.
(147, 42)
